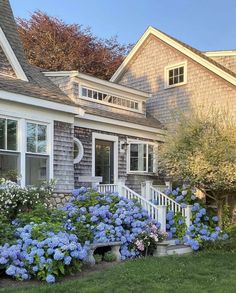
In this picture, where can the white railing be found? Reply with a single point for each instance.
(103, 188)
(160, 198)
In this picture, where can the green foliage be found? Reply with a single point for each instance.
(98, 258)
(15, 199)
(109, 256)
(201, 150)
(7, 231)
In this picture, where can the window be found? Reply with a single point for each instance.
(78, 151)
(141, 156)
(175, 75)
(36, 138)
(9, 158)
(8, 134)
(37, 160)
(107, 98)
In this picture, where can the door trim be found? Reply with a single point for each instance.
(107, 137)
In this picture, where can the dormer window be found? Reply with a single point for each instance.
(175, 75)
(110, 99)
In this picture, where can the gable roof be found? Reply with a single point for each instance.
(31, 80)
(189, 51)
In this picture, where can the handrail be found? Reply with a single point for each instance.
(151, 208)
(163, 199)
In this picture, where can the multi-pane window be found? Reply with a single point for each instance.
(8, 134)
(9, 158)
(175, 75)
(36, 138)
(141, 157)
(37, 160)
(107, 98)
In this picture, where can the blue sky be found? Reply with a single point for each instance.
(204, 24)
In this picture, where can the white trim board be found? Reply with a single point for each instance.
(100, 82)
(106, 137)
(220, 53)
(170, 41)
(7, 49)
(13, 97)
(120, 127)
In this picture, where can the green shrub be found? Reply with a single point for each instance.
(98, 258)
(7, 231)
(109, 256)
(15, 199)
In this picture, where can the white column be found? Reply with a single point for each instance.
(188, 215)
(162, 217)
(147, 190)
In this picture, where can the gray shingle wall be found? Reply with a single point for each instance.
(84, 168)
(5, 66)
(146, 72)
(63, 156)
(227, 61)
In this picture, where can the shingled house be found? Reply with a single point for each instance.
(70, 126)
(178, 76)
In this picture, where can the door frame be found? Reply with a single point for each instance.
(106, 137)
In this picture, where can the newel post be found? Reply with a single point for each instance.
(146, 190)
(188, 215)
(162, 217)
(120, 184)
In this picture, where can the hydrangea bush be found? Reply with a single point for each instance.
(204, 226)
(103, 218)
(46, 243)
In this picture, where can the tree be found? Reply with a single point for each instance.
(201, 151)
(52, 44)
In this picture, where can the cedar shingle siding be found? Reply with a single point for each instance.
(146, 72)
(5, 66)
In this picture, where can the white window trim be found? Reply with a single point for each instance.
(22, 144)
(80, 155)
(173, 66)
(106, 137)
(50, 143)
(136, 141)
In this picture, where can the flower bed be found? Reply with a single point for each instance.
(45, 243)
(204, 226)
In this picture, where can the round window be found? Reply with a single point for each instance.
(78, 151)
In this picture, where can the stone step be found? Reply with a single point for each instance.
(178, 249)
(169, 242)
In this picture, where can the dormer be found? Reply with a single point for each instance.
(96, 93)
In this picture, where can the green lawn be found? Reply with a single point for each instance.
(202, 272)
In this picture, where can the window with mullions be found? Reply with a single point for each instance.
(141, 157)
(36, 138)
(8, 134)
(175, 75)
(9, 158)
(37, 160)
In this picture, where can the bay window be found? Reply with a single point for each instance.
(9, 157)
(37, 159)
(141, 156)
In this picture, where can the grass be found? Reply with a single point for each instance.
(202, 272)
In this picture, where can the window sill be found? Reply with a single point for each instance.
(142, 173)
(167, 87)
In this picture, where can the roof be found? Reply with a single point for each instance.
(37, 85)
(145, 121)
(191, 52)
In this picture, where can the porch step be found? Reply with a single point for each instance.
(169, 242)
(178, 249)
